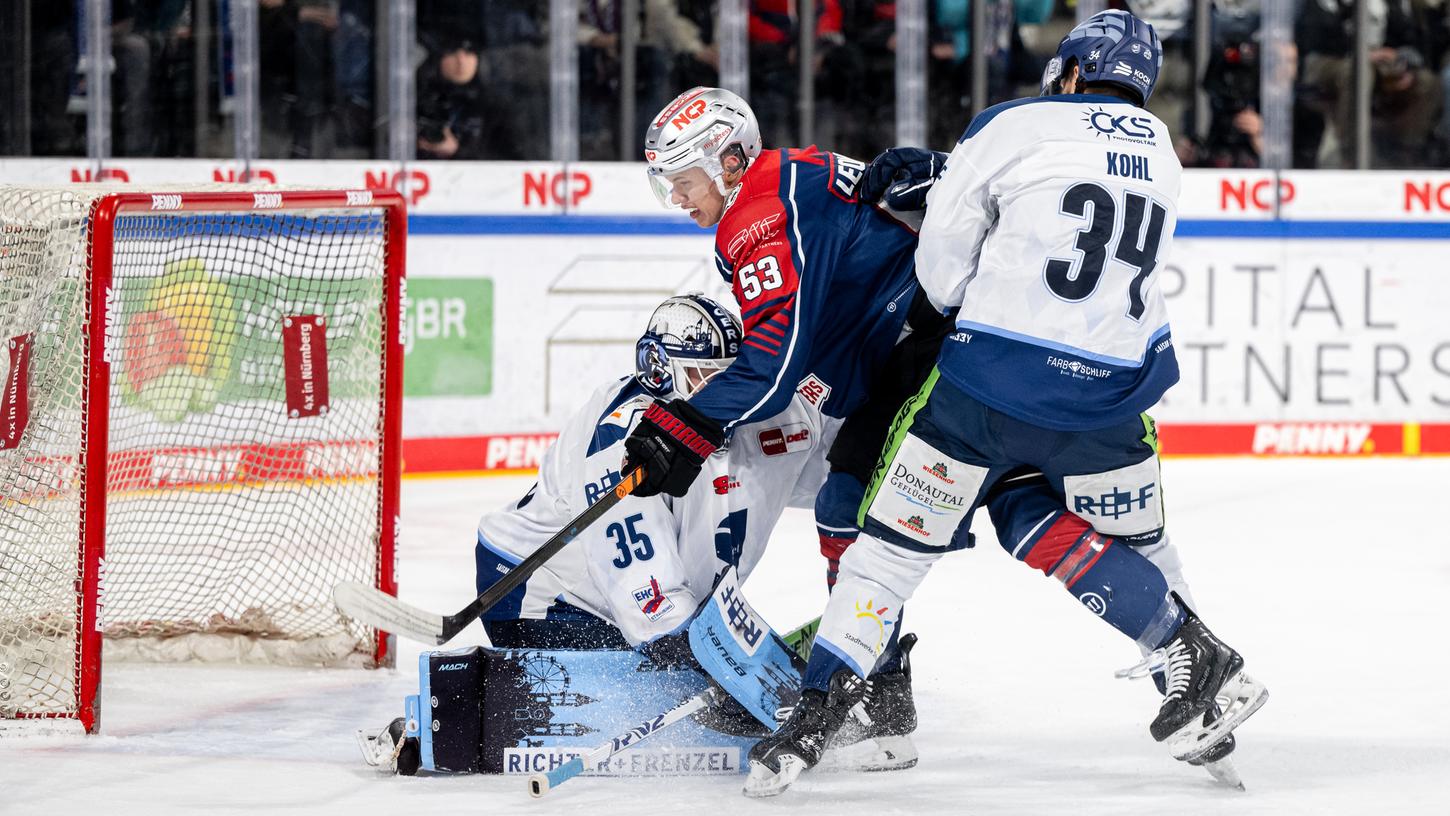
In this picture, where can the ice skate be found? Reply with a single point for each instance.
(779, 759)
(1200, 673)
(880, 739)
(388, 750)
(1217, 760)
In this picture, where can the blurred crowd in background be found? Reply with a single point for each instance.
(482, 73)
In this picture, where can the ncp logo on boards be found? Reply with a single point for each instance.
(1244, 194)
(565, 188)
(413, 183)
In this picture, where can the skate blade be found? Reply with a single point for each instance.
(1239, 698)
(872, 754)
(369, 743)
(1224, 773)
(763, 782)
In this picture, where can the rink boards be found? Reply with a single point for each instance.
(1307, 306)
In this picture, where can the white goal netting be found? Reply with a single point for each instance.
(242, 443)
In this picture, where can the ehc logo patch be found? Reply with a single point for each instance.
(652, 600)
(785, 439)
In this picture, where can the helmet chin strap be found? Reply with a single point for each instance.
(729, 193)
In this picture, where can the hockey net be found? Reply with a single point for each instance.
(199, 430)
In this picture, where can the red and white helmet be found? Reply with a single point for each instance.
(702, 127)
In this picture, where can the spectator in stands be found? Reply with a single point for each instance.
(774, 35)
(1434, 17)
(459, 117)
(513, 55)
(665, 34)
(1236, 131)
(871, 26)
(53, 131)
(130, 84)
(316, 77)
(353, 81)
(704, 69)
(1009, 64)
(1406, 98)
(153, 86)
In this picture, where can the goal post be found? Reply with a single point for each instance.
(200, 430)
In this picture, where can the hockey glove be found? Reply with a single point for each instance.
(901, 177)
(671, 441)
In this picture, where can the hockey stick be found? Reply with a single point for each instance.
(542, 783)
(375, 608)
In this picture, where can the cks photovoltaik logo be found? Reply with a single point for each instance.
(1113, 125)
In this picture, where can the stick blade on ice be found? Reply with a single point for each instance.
(370, 605)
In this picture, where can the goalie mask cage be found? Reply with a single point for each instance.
(200, 431)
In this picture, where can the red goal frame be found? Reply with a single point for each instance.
(100, 237)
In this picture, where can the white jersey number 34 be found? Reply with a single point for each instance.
(1075, 280)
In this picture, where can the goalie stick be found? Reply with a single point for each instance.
(373, 607)
(542, 783)
(800, 641)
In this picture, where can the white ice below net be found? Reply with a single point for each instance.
(1020, 713)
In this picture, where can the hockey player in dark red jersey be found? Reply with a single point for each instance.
(831, 309)
(825, 286)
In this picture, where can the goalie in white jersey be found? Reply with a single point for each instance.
(1044, 231)
(638, 573)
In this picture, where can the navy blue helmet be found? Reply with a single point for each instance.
(1113, 47)
(690, 339)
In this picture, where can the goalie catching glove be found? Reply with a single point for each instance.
(671, 442)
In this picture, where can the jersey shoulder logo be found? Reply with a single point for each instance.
(814, 391)
(846, 174)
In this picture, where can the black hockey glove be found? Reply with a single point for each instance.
(901, 177)
(671, 441)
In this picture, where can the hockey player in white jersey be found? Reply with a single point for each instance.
(1045, 230)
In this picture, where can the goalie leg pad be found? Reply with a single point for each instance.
(451, 716)
(738, 649)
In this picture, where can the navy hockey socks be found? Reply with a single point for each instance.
(1110, 578)
(837, 503)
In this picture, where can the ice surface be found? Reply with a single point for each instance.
(1330, 576)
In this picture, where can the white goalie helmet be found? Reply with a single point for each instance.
(702, 127)
(690, 339)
